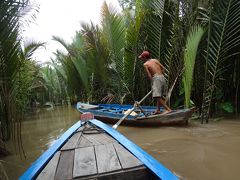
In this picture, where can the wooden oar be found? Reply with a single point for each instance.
(136, 104)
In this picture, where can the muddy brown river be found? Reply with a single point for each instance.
(194, 152)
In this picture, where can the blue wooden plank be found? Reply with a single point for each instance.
(39, 164)
(156, 167)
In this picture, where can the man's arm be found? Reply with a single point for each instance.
(161, 66)
(148, 73)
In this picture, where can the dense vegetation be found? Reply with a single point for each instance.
(197, 41)
(17, 70)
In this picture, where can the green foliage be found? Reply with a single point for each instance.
(172, 46)
(69, 69)
(114, 32)
(16, 70)
(192, 43)
(223, 40)
(226, 106)
(9, 62)
(103, 60)
(152, 26)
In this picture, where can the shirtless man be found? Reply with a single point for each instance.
(155, 71)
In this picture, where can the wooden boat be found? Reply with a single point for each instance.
(94, 150)
(111, 113)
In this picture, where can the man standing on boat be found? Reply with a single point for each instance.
(155, 71)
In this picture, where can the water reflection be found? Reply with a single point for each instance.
(194, 152)
(40, 129)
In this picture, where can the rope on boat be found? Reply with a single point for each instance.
(91, 129)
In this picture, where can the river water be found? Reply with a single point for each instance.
(195, 152)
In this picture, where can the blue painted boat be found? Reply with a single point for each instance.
(91, 149)
(111, 113)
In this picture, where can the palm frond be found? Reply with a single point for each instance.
(114, 30)
(62, 42)
(152, 27)
(223, 38)
(30, 48)
(81, 67)
(132, 67)
(193, 40)
(173, 48)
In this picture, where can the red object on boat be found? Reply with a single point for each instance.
(86, 116)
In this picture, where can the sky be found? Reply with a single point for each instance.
(61, 18)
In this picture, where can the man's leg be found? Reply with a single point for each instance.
(158, 106)
(168, 110)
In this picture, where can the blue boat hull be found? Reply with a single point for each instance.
(111, 113)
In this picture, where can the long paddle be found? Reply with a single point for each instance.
(136, 104)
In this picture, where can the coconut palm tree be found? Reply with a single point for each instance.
(15, 69)
(223, 44)
(105, 58)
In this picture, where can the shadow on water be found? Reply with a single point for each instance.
(208, 151)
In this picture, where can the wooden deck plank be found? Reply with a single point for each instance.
(93, 139)
(107, 159)
(80, 129)
(139, 173)
(49, 171)
(105, 138)
(84, 142)
(100, 138)
(156, 167)
(84, 162)
(72, 142)
(65, 165)
(127, 159)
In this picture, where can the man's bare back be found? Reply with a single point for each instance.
(153, 66)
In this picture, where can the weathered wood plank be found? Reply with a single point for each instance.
(49, 171)
(92, 138)
(155, 166)
(65, 165)
(100, 138)
(107, 159)
(110, 138)
(84, 162)
(80, 129)
(72, 142)
(84, 142)
(104, 138)
(139, 173)
(127, 159)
